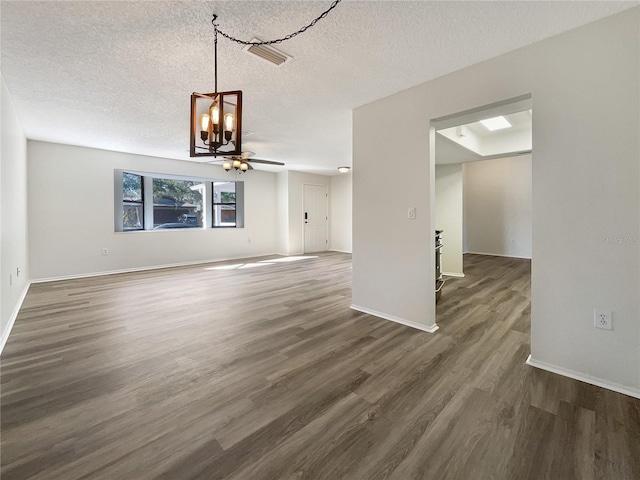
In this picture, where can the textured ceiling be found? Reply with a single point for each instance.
(117, 75)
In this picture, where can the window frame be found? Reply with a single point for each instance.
(147, 200)
(134, 202)
(158, 206)
(221, 203)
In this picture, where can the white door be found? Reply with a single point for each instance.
(316, 218)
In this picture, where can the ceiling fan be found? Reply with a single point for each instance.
(243, 162)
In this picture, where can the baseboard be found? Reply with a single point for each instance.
(14, 315)
(598, 382)
(449, 274)
(339, 251)
(402, 321)
(497, 255)
(143, 269)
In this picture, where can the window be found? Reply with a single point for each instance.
(132, 203)
(177, 203)
(149, 201)
(224, 204)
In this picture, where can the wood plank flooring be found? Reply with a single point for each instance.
(259, 370)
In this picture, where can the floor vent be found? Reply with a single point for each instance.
(267, 53)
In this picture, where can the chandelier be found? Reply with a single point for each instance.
(216, 118)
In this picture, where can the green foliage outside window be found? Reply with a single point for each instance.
(178, 190)
(131, 187)
(228, 197)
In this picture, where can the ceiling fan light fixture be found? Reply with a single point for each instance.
(243, 163)
(344, 169)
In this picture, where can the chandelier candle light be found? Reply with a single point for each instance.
(216, 118)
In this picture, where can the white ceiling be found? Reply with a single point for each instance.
(117, 75)
(519, 121)
(476, 142)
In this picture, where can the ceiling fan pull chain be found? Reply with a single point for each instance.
(279, 40)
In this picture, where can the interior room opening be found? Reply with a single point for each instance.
(482, 209)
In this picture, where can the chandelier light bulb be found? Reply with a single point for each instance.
(237, 164)
(204, 122)
(228, 122)
(244, 167)
(226, 165)
(215, 114)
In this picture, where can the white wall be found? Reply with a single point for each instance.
(586, 175)
(71, 215)
(340, 216)
(290, 186)
(497, 206)
(296, 200)
(393, 256)
(13, 215)
(448, 184)
(283, 212)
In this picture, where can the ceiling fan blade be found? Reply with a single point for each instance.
(267, 162)
(249, 166)
(205, 160)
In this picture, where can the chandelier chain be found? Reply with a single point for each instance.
(278, 40)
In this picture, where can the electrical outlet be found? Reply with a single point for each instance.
(602, 319)
(105, 251)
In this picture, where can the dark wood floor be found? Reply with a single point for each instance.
(263, 372)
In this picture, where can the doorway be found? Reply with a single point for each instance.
(482, 201)
(316, 218)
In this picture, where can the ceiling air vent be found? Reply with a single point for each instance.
(267, 53)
